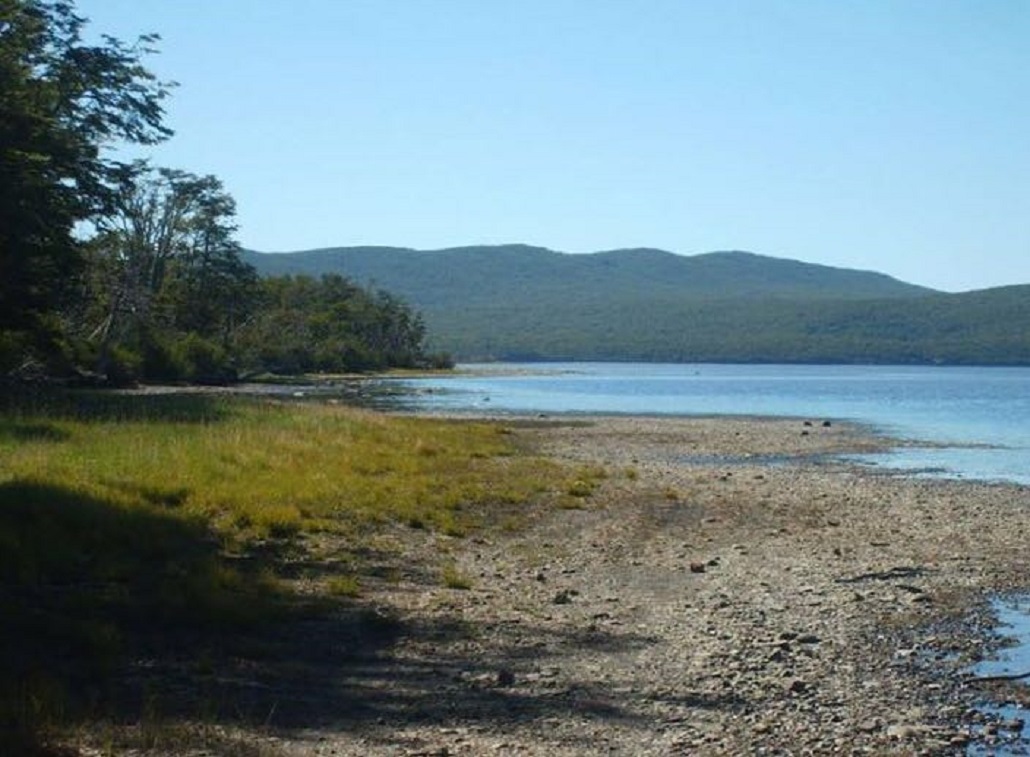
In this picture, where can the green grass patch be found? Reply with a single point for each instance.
(257, 470)
(585, 481)
(453, 578)
(129, 523)
(344, 586)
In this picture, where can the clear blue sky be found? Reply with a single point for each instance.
(891, 135)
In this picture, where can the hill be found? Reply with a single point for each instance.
(521, 302)
(515, 272)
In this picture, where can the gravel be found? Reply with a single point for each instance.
(732, 587)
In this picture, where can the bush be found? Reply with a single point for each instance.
(124, 366)
(202, 361)
(161, 360)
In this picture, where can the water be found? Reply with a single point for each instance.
(973, 422)
(1013, 614)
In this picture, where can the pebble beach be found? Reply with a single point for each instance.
(733, 586)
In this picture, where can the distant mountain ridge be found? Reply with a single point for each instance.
(523, 302)
(475, 272)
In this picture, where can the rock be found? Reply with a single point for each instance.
(563, 597)
(505, 677)
(797, 686)
(808, 638)
(904, 732)
(697, 567)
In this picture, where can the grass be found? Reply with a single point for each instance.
(260, 470)
(344, 586)
(125, 518)
(453, 578)
(582, 485)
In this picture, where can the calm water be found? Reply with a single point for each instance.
(975, 421)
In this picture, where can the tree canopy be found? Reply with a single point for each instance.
(62, 103)
(124, 271)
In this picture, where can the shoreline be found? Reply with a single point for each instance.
(712, 585)
(938, 582)
(805, 608)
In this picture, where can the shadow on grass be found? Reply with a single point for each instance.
(18, 432)
(98, 405)
(121, 616)
(87, 586)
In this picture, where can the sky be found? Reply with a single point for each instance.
(887, 135)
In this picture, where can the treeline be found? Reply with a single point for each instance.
(121, 271)
(988, 327)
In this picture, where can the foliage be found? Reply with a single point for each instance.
(62, 102)
(330, 325)
(123, 272)
(532, 276)
(166, 281)
(168, 286)
(519, 303)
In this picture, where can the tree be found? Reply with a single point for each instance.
(166, 263)
(332, 325)
(62, 103)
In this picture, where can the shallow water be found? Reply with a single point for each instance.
(1014, 659)
(976, 421)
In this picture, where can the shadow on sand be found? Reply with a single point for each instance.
(120, 615)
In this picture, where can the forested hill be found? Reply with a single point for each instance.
(519, 302)
(463, 275)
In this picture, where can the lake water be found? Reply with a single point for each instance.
(975, 421)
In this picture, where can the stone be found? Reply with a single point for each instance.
(904, 731)
(797, 686)
(563, 597)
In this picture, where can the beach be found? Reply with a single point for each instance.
(731, 586)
